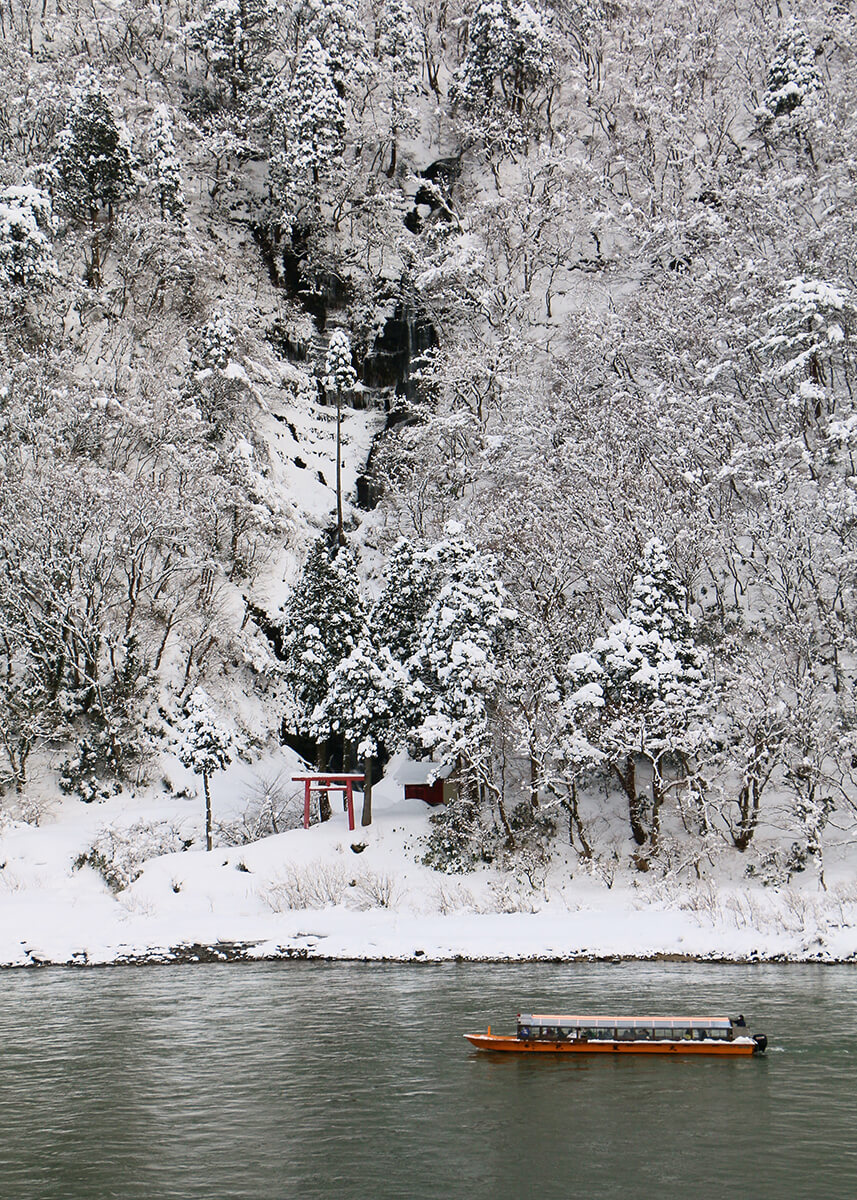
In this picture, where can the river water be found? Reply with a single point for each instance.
(313, 1081)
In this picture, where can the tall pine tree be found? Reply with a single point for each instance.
(642, 693)
(309, 129)
(339, 377)
(94, 168)
(363, 706)
(454, 667)
(235, 36)
(206, 748)
(164, 166)
(323, 622)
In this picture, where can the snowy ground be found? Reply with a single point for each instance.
(310, 894)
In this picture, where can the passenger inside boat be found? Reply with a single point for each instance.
(668, 1030)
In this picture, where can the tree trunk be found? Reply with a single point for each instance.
(534, 783)
(324, 810)
(627, 776)
(748, 815)
(657, 801)
(570, 804)
(366, 817)
(207, 812)
(340, 536)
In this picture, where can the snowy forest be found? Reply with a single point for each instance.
(474, 378)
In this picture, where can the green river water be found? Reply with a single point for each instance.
(352, 1082)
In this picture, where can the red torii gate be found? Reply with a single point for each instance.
(329, 782)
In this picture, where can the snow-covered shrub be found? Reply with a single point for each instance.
(316, 885)
(532, 823)
(377, 889)
(118, 854)
(529, 864)
(9, 882)
(458, 840)
(777, 866)
(604, 866)
(215, 343)
(511, 896)
(89, 772)
(745, 911)
(272, 806)
(453, 898)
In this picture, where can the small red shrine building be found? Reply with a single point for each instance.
(427, 781)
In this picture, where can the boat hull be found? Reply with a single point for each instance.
(499, 1043)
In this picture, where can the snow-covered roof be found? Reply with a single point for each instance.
(422, 772)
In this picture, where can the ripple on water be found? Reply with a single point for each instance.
(315, 1081)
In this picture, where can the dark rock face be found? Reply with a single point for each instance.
(404, 336)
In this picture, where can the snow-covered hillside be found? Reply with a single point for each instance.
(470, 379)
(328, 893)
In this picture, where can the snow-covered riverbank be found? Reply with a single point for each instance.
(329, 894)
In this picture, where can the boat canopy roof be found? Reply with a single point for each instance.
(604, 1022)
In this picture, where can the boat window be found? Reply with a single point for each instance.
(666, 1035)
(625, 1034)
(644, 1035)
(548, 1032)
(524, 1031)
(603, 1034)
(563, 1033)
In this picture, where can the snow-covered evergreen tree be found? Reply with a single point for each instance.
(410, 581)
(206, 747)
(338, 26)
(93, 165)
(454, 667)
(510, 49)
(164, 166)
(216, 342)
(218, 384)
(642, 693)
(792, 74)
(309, 129)
(339, 373)
(322, 623)
(810, 341)
(27, 263)
(399, 46)
(363, 706)
(339, 377)
(234, 36)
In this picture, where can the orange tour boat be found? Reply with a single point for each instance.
(541, 1033)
